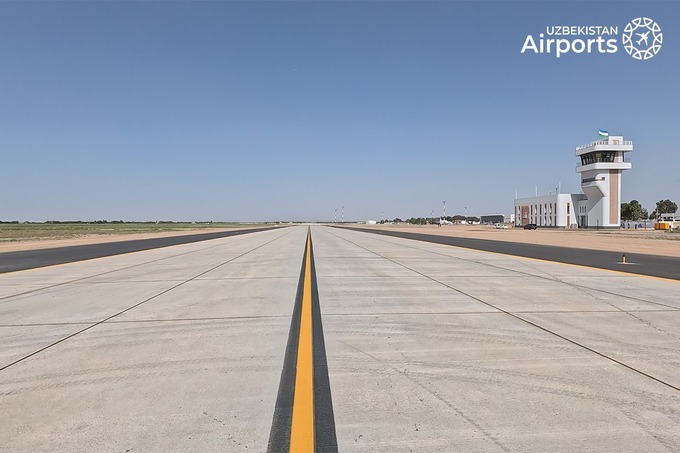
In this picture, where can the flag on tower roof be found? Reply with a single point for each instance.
(603, 133)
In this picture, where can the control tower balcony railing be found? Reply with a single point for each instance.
(603, 142)
(605, 145)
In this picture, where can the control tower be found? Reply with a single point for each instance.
(601, 165)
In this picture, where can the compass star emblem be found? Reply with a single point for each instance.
(642, 38)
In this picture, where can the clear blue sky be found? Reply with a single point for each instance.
(219, 110)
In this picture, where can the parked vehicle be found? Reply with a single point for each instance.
(530, 226)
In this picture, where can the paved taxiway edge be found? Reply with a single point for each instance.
(641, 264)
(32, 259)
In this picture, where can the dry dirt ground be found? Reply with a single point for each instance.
(16, 246)
(649, 242)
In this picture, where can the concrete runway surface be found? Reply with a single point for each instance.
(428, 347)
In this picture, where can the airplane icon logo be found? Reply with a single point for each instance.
(643, 37)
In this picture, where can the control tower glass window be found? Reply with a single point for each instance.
(598, 156)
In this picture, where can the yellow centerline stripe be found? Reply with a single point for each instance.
(302, 426)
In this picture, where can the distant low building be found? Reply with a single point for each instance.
(492, 218)
(549, 210)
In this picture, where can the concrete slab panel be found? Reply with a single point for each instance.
(174, 386)
(19, 341)
(483, 382)
(530, 294)
(647, 341)
(221, 298)
(78, 302)
(392, 295)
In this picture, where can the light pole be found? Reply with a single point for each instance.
(342, 215)
(465, 219)
(335, 216)
(444, 202)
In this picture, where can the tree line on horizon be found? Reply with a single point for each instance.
(431, 220)
(634, 210)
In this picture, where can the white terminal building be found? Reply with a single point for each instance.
(599, 206)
